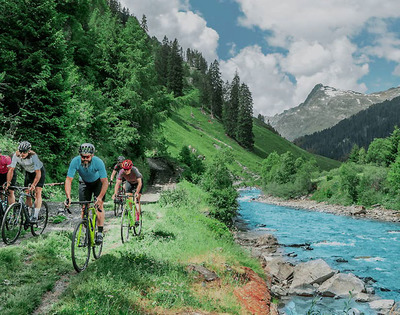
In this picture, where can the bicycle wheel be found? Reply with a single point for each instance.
(80, 246)
(41, 224)
(97, 249)
(137, 228)
(12, 223)
(116, 207)
(126, 224)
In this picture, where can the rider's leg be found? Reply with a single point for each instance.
(138, 207)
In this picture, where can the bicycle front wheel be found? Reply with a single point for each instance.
(12, 223)
(80, 246)
(41, 224)
(126, 224)
(97, 249)
(137, 228)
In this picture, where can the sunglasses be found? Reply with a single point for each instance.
(85, 157)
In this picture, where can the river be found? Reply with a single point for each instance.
(363, 247)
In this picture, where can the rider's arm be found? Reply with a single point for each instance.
(104, 186)
(117, 184)
(139, 186)
(67, 187)
(37, 178)
(114, 172)
(10, 175)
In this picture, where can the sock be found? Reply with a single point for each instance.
(36, 214)
(137, 216)
(100, 229)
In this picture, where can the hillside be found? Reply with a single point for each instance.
(191, 126)
(325, 107)
(378, 121)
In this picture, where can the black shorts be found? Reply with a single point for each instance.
(87, 190)
(131, 188)
(3, 179)
(30, 177)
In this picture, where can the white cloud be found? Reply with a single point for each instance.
(271, 89)
(175, 20)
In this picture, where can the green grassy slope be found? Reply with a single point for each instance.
(189, 126)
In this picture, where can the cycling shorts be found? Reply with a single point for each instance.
(131, 188)
(87, 190)
(30, 177)
(3, 179)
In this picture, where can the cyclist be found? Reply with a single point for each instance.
(133, 182)
(117, 168)
(35, 175)
(5, 161)
(92, 181)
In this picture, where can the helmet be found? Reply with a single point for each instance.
(86, 148)
(24, 146)
(121, 159)
(127, 164)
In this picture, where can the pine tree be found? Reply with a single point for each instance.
(143, 24)
(175, 70)
(244, 132)
(231, 107)
(161, 61)
(216, 89)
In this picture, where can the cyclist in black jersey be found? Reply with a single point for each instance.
(117, 167)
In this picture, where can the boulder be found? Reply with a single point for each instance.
(315, 271)
(307, 290)
(358, 210)
(279, 269)
(341, 284)
(382, 306)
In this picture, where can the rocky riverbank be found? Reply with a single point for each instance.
(311, 279)
(376, 212)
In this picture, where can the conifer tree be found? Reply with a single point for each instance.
(175, 70)
(161, 61)
(231, 107)
(244, 132)
(143, 24)
(216, 89)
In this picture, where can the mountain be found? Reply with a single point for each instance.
(189, 126)
(325, 107)
(377, 121)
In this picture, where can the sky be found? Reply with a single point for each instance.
(282, 49)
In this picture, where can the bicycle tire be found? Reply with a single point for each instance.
(116, 207)
(12, 223)
(137, 229)
(97, 249)
(80, 248)
(39, 227)
(125, 225)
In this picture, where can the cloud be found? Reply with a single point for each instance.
(175, 20)
(270, 88)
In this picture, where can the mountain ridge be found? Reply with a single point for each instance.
(323, 108)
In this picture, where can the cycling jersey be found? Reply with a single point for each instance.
(90, 174)
(5, 160)
(30, 164)
(131, 177)
(117, 167)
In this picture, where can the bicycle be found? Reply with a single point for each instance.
(119, 201)
(3, 203)
(17, 215)
(83, 238)
(128, 220)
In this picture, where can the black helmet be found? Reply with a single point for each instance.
(121, 159)
(86, 148)
(24, 146)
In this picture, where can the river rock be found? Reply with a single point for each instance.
(315, 271)
(279, 269)
(382, 306)
(306, 290)
(358, 210)
(363, 297)
(341, 284)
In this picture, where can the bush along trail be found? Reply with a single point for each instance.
(184, 262)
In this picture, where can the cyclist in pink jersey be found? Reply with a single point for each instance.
(5, 162)
(133, 183)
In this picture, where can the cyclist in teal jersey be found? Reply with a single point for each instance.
(92, 181)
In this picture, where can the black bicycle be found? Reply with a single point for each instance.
(119, 202)
(18, 216)
(3, 203)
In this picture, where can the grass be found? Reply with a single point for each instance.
(189, 126)
(149, 275)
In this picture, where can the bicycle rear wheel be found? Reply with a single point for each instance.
(126, 224)
(137, 228)
(116, 207)
(12, 223)
(41, 224)
(80, 246)
(97, 249)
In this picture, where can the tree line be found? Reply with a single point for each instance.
(87, 71)
(361, 129)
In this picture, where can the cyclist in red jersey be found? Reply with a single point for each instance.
(133, 183)
(117, 168)
(5, 162)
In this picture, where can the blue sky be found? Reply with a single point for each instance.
(282, 49)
